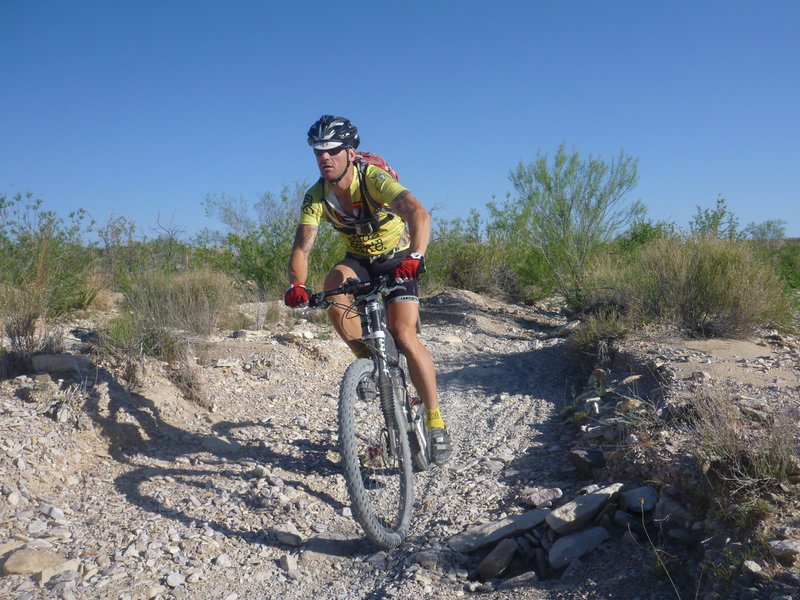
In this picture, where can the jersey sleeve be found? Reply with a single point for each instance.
(382, 187)
(311, 209)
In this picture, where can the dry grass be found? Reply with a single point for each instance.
(596, 335)
(27, 332)
(192, 301)
(743, 456)
(162, 311)
(705, 286)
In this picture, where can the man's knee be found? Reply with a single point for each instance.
(407, 340)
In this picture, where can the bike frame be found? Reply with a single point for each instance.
(376, 337)
(375, 334)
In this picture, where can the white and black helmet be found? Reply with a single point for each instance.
(331, 132)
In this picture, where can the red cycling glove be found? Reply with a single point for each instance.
(296, 295)
(412, 266)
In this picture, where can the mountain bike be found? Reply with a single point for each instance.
(382, 433)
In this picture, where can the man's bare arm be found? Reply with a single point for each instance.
(298, 260)
(419, 220)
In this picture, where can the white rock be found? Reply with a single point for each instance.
(288, 563)
(448, 339)
(175, 579)
(223, 560)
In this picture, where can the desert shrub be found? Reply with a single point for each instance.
(718, 222)
(596, 335)
(43, 257)
(256, 249)
(743, 455)
(45, 273)
(191, 301)
(784, 256)
(124, 251)
(642, 232)
(708, 286)
(460, 256)
(26, 330)
(161, 312)
(570, 209)
(482, 255)
(774, 229)
(127, 339)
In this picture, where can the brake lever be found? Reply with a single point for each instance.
(399, 281)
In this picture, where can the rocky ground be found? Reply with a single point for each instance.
(111, 493)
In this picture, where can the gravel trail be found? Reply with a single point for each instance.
(163, 498)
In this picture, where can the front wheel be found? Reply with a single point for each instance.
(375, 456)
(415, 416)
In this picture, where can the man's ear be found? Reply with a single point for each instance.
(351, 152)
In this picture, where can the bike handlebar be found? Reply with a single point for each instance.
(356, 288)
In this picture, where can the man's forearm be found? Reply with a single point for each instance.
(298, 266)
(298, 260)
(417, 218)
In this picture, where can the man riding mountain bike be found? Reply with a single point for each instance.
(386, 231)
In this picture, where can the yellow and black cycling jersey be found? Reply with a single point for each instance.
(374, 229)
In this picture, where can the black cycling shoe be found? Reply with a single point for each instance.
(439, 445)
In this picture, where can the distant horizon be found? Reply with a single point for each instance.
(169, 227)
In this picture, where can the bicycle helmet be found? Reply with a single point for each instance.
(331, 132)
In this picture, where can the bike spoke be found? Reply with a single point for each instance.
(377, 465)
(380, 467)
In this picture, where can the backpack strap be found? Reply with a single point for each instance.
(363, 226)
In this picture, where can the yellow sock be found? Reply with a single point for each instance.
(362, 352)
(434, 418)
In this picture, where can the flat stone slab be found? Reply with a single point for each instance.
(580, 511)
(575, 545)
(486, 534)
(28, 561)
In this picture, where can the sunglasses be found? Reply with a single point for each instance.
(331, 152)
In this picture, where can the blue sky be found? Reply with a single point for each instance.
(143, 109)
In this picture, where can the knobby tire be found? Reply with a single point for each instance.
(416, 417)
(379, 479)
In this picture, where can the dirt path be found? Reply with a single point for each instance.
(162, 498)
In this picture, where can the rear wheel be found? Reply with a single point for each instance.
(376, 457)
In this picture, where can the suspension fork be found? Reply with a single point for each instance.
(372, 329)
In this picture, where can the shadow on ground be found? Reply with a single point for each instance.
(136, 429)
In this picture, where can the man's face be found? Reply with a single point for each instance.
(333, 162)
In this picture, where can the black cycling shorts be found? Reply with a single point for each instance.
(367, 270)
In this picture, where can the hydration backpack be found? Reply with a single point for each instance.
(365, 158)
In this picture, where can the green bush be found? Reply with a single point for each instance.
(569, 210)
(641, 233)
(482, 256)
(459, 256)
(719, 222)
(256, 250)
(44, 258)
(784, 255)
(45, 273)
(124, 252)
(706, 285)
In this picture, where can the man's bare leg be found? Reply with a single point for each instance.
(346, 324)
